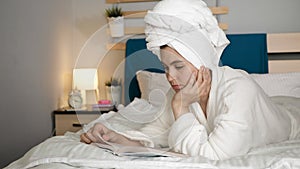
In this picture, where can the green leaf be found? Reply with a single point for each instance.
(114, 11)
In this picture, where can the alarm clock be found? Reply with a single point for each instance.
(75, 99)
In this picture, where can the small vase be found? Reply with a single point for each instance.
(116, 26)
(114, 94)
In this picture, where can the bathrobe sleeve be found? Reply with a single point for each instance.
(158, 130)
(154, 131)
(232, 128)
(152, 134)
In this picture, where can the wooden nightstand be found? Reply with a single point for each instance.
(66, 120)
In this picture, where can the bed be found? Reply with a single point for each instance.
(141, 65)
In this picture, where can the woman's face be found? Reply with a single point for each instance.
(178, 69)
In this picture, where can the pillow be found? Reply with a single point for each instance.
(151, 82)
(276, 84)
(279, 84)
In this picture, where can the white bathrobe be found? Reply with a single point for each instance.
(240, 116)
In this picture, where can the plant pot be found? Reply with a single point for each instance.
(114, 94)
(116, 26)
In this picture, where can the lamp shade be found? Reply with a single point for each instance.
(85, 79)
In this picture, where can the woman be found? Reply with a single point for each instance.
(212, 111)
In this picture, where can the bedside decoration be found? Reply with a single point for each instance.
(75, 100)
(115, 21)
(114, 91)
(104, 102)
(103, 105)
(86, 80)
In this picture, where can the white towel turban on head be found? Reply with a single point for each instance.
(187, 26)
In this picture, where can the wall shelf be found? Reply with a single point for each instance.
(134, 14)
(132, 30)
(221, 10)
(283, 42)
(141, 30)
(116, 46)
(127, 1)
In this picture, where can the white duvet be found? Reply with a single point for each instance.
(67, 152)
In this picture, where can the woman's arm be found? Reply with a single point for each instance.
(232, 129)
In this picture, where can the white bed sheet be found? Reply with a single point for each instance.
(67, 152)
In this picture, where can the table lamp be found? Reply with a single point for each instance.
(86, 80)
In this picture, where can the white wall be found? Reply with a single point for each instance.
(35, 54)
(267, 16)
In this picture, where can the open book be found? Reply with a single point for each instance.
(138, 151)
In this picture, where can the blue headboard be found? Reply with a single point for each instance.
(245, 51)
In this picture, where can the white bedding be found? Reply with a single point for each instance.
(67, 152)
(279, 84)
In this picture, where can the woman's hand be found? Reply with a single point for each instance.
(196, 90)
(99, 131)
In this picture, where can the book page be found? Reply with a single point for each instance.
(138, 151)
(147, 152)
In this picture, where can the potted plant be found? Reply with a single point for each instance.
(115, 21)
(114, 90)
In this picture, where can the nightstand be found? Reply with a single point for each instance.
(71, 120)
